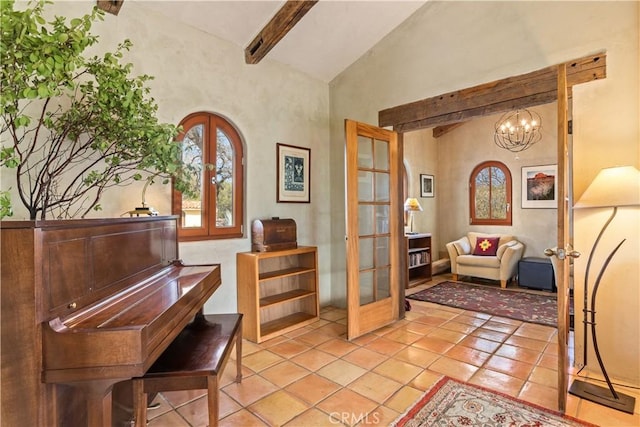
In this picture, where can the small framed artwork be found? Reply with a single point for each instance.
(426, 185)
(294, 180)
(540, 187)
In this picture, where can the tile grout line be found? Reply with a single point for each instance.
(407, 343)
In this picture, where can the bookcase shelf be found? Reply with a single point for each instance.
(418, 247)
(277, 291)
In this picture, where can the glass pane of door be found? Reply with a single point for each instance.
(365, 186)
(383, 283)
(365, 152)
(366, 220)
(382, 186)
(366, 254)
(373, 196)
(382, 219)
(381, 159)
(366, 287)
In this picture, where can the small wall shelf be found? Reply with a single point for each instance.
(418, 247)
(277, 291)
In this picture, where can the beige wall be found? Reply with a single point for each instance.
(462, 149)
(447, 46)
(451, 159)
(268, 103)
(420, 157)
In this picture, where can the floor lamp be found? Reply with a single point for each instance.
(612, 188)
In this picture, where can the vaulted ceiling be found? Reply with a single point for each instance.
(328, 38)
(324, 37)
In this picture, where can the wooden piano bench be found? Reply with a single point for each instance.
(193, 361)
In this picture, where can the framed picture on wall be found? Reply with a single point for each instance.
(426, 185)
(294, 180)
(540, 187)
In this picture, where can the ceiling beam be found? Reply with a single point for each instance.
(526, 90)
(110, 6)
(438, 131)
(281, 23)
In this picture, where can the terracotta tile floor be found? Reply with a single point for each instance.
(314, 377)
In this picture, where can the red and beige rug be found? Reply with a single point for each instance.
(452, 403)
(528, 307)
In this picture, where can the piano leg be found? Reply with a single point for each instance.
(213, 399)
(98, 399)
(99, 410)
(239, 354)
(139, 403)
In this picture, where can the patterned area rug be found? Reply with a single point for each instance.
(452, 403)
(533, 308)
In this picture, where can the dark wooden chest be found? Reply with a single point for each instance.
(274, 234)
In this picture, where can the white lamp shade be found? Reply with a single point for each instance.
(412, 204)
(616, 186)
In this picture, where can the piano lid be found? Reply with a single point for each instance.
(122, 336)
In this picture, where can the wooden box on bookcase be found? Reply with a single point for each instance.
(277, 291)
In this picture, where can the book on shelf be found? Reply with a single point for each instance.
(419, 258)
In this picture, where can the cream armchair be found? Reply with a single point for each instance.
(502, 266)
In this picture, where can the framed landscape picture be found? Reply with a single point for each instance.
(293, 182)
(540, 187)
(426, 185)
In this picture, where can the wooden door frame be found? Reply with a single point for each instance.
(562, 263)
(450, 110)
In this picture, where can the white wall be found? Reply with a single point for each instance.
(446, 46)
(268, 103)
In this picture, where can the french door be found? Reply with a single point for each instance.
(374, 227)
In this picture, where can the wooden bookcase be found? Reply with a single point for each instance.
(418, 258)
(277, 291)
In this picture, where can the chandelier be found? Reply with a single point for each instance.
(518, 130)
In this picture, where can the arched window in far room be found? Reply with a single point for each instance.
(490, 194)
(214, 209)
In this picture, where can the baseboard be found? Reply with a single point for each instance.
(440, 266)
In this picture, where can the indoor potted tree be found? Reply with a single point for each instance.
(73, 126)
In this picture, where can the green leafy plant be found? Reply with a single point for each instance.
(5, 205)
(72, 126)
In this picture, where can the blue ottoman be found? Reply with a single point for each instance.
(536, 273)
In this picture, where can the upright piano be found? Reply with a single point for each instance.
(87, 304)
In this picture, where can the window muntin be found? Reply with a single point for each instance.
(490, 194)
(214, 208)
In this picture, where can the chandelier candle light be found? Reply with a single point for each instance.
(412, 205)
(517, 131)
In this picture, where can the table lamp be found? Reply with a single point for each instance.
(412, 205)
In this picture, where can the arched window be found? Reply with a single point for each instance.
(213, 209)
(490, 194)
